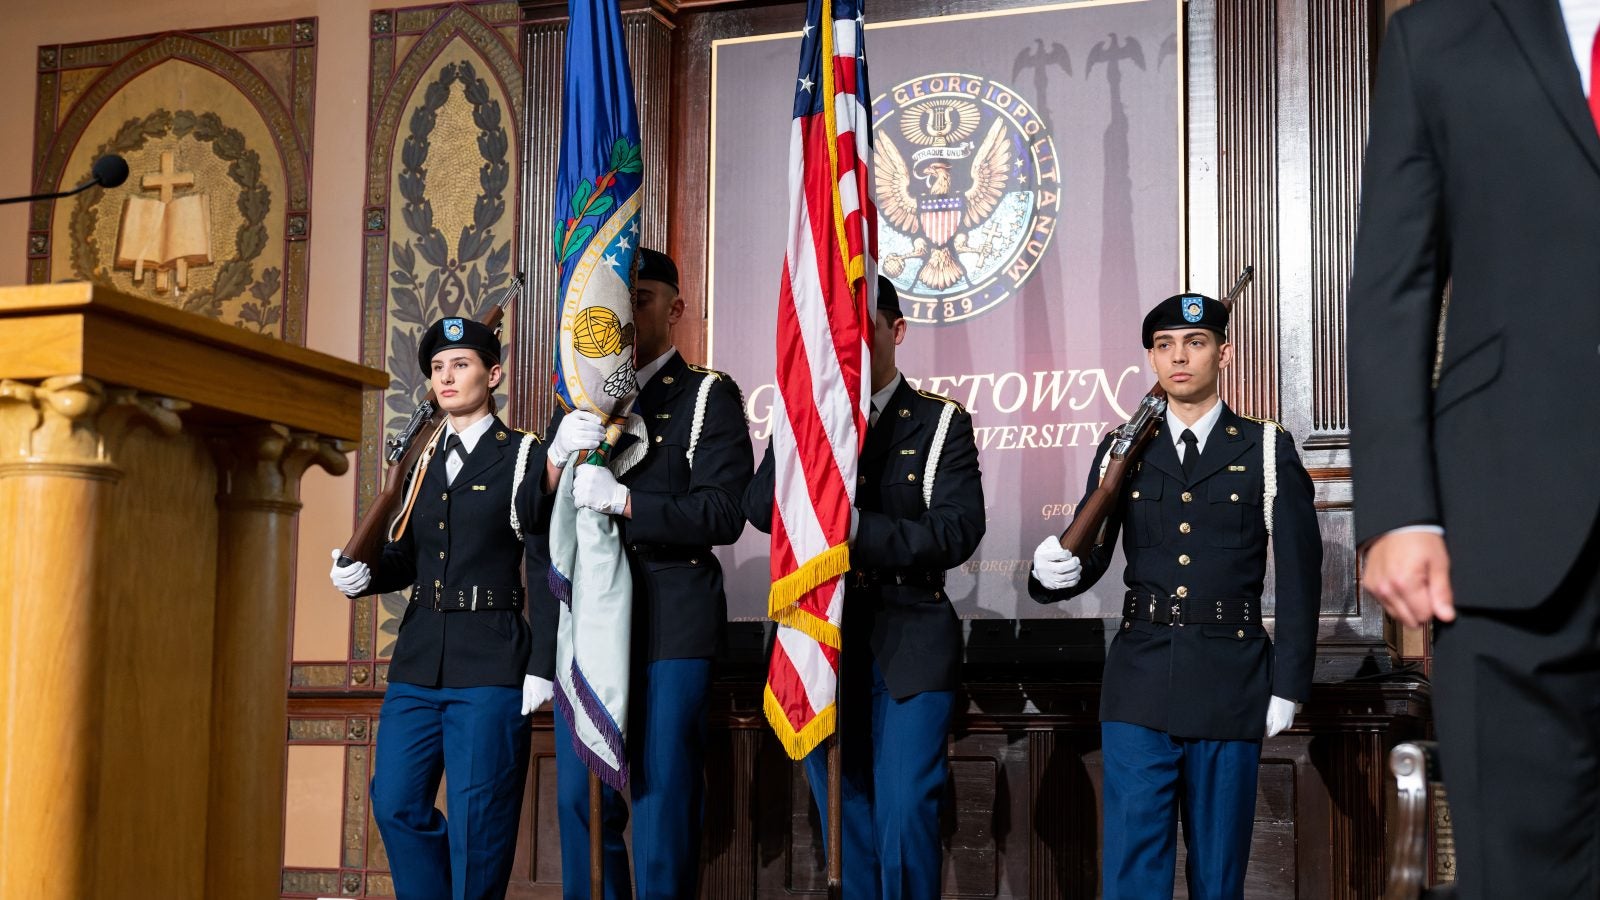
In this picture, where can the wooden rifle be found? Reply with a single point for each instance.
(401, 454)
(1088, 528)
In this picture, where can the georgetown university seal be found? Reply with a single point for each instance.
(968, 189)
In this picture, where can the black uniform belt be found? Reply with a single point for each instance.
(1189, 610)
(467, 597)
(667, 552)
(868, 578)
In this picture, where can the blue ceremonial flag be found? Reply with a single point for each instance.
(596, 235)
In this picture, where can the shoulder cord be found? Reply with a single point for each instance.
(699, 416)
(934, 453)
(398, 526)
(1269, 470)
(516, 482)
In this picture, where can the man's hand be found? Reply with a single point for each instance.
(596, 488)
(536, 692)
(1280, 715)
(1409, 573)
(350, 580)
(579, 430)
(1054, 566)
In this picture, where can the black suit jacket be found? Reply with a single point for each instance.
(1206, 536)
(1483, 171)
(459, 536)
(903, 546)
(681, 511)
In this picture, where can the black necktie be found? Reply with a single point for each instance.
(452, 444)
(1191, 451)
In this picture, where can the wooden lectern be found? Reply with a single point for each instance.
(150, 465)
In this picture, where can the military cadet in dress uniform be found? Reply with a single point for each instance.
(468, 668)
(1192, 681)
(919, 512)
(676, 503)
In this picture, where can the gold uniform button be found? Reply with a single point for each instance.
(1183, 528)
(499, 435)
(441, 526)
(861, 479)
(658, 438)
(1187, 496)
(911, 477)
(666, 379)
(1127, 624)
(1232, 430)
(1240, 632)
(694, 562)
(1183, 559)
(1234, 497)
(441, 554)
(445, 496)
(905, 413)
(1135, 495)
(1182, 591)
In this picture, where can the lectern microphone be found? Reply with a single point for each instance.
(108, 172)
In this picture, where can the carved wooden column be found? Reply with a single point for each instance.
(258, 497)
(54, 476)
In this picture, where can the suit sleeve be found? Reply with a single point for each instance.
(950, 529)
(710, 511)
(1394, 303)
(758, 496)
(397, 567)
(1099, 558)
(1297, 556)
(533, 511)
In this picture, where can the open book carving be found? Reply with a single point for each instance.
(167, 234)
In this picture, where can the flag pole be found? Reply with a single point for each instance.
(597, 869)
(835, 819)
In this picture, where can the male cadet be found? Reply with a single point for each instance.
(1192, 682)
(467, 669)
(919, 512)
(675, 504)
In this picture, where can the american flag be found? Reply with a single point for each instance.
(825, 310)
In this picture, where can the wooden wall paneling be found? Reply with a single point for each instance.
(1247, 186)
(1201, 146)
(1293, 301)
(544, 48)
(1339, 74)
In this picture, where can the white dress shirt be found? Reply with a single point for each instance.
(1201, 428)
(469, 439)
(880, 400)
(1583, 20)
(650, 368)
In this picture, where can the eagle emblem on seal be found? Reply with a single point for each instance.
(948, 189)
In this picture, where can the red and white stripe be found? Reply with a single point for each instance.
(824, 383)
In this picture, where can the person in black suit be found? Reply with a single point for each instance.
(468, 668)
(1472, 451)
(919, 512)
(679, 500)
(1193, 681)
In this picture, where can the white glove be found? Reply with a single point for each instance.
(1054, 566)
(350, 580)
(579, 430)
(536, 692)
(596, 488)
(1280, 715)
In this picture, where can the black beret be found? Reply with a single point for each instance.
(657, 266)
(889, 299)
(1185, 311)
(447, 334)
